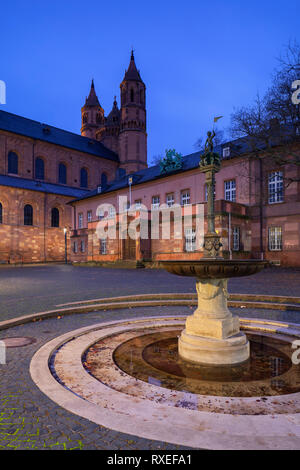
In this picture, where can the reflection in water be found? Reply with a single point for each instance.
(153, 358)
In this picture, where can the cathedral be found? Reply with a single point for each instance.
(123, 130)
(52, 183)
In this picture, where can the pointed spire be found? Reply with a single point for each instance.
(132, 72)
(92, 99)
(114, 115)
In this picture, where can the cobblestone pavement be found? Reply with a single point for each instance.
(25, 290)
(30, 420)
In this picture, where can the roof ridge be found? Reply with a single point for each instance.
(49, 125)
(34, 129)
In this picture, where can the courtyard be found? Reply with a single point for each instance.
(29, 418)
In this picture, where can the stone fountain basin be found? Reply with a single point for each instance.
(215, 268)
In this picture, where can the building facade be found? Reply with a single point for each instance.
(257, 214)
(56, 187)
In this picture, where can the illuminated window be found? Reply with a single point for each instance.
(103, 247)
(275, 238)
(138, 204)
(170, 199)
(275, 187)
(155, 202)
(190, 239)
(230, 190)
(185, 197)
(226, 152)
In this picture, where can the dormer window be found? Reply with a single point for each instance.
(226, 152)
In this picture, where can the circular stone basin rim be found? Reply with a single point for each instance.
(153, 420)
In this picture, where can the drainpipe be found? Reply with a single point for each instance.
(261, 210)
(229, 235)
(45, 222)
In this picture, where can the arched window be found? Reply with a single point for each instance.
(62, 173)
(13, 163)
(54, 217)
(39, 169)
(83, 178)
(103, 180)
(1, 213)
(28, 215)
(131, 95)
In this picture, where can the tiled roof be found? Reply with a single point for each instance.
(37, 130)
(33, 185)
(189, 162)
(143, 176)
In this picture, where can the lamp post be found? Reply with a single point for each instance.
(66, 257)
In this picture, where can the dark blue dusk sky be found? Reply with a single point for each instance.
(198, 59)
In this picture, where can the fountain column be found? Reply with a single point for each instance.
(212, 334)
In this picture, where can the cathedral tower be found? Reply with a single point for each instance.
(108, 135)
(92, 115)
(133, 136)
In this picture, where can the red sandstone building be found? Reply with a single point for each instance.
(52, 182)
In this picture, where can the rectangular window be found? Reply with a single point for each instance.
(236, 238)
(75, 247)
(138, 204)
(80, 220)
(190, 239)
(185, 197)
(82, 246)
(103, 246)
(230, 190)
(155, 202)
(226, 152)
(111, 212)
(89, 216)
(275, 238)
(275, 187)
(170, 199)
(100, 214)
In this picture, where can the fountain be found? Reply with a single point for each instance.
(131, 375)
(212, 334)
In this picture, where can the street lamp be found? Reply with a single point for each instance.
(66, 258)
